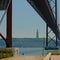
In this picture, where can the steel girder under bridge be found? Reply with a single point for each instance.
(43, 8)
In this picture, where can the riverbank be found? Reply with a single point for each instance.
(49, 56)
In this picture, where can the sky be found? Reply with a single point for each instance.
(25, 21)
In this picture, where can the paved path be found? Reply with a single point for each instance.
(55, 57)
(24, 58)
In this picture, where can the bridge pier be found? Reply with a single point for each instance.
(9, 26)
(47, 32)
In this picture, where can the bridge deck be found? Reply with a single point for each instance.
(44, 10)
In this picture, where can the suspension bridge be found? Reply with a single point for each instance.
(43, 8)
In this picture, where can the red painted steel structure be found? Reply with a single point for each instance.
(44, 9)
(9, 26)
(8, 39)
(47, 27)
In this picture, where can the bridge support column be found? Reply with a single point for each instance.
(46, 35)
(48, 32)
(56, 18)
(9, 26)
(50, 38)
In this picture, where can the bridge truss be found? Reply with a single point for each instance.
(48, 13)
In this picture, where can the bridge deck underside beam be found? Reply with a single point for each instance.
(3, 4)
(44, 10)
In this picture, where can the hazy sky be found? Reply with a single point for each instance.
(25, 20)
